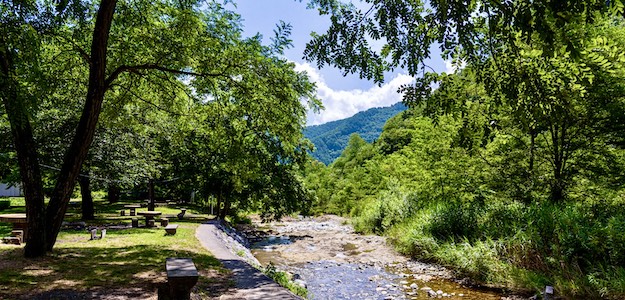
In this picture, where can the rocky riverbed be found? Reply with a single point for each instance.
(326, 255)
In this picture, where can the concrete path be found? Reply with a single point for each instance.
(250, 284)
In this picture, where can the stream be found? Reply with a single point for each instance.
(334, 262)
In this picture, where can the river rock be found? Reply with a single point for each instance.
(316, 251)
(301, 283)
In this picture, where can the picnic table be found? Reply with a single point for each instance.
(18, 221)
(149, 215)
(132, 208)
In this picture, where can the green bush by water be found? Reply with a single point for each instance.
(283, 279)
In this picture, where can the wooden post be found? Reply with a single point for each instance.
(151, 195)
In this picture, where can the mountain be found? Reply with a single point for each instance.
(331, 138)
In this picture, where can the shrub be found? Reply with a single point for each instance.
(502, 219)
(455, 221)
(5, 204)
(283, 279)
(392, 206)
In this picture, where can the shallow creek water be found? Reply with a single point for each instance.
(336, 263)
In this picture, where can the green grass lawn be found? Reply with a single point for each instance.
(127, 258)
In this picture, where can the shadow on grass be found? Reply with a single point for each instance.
(93, 272)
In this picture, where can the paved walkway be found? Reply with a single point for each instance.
(250, 283)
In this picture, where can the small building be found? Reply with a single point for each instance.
(10, 191)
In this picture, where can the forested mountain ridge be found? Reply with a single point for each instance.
(331, 138)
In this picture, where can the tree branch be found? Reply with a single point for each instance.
(125, 68)
(85, 56)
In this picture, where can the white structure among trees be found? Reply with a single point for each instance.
(10, 191)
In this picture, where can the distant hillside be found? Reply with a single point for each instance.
(331, 138)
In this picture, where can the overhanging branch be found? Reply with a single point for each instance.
(137, 68)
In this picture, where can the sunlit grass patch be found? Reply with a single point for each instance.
(124, 258)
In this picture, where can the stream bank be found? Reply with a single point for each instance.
(333, 262)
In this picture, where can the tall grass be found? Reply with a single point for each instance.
(579, 248)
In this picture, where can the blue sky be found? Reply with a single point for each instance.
(342, 96)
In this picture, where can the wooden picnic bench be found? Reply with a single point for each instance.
(171, 229)
(181, 277)
(132, 208)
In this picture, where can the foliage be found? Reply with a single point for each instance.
(331, 138)
(513, 165)
(4, 204)
(518, 188)
(282, 278)
(464, 31)
(164, 85)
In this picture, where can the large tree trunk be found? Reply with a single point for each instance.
(558, 185)
(87, 199)
(527, 197)
(27, 158)
(224, 211)
(113, 193)
(77, 152)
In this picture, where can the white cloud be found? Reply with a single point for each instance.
(451, 67)
(341, 104)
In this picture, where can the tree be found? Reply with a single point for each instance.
(18, 56)
(537, 60)
(187, 41)
(468, 31)
(245, 146)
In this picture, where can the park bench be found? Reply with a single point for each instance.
(181, 277)
(12, 240)
(171, 229)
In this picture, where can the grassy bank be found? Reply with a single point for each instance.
(284, 279)
(128, 261)
(577, 248)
